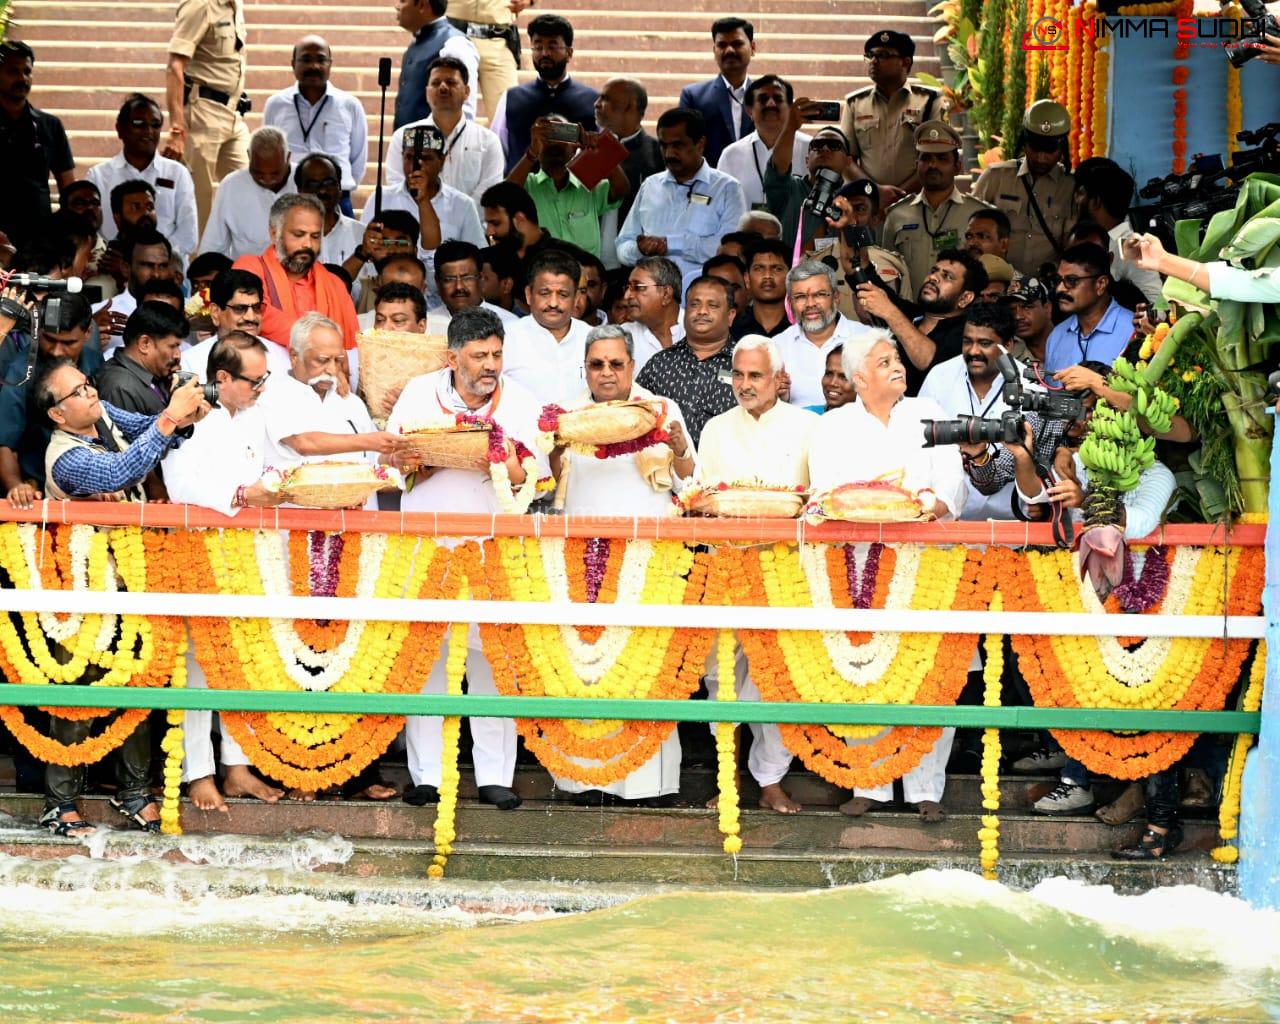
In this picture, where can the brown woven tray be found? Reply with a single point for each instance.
(609, 422)
(390, 359)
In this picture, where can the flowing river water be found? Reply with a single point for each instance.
(93, 940)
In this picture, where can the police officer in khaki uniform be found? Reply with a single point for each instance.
(491, 27)
(880, 120)
(923, 225)
(204, 85)
(1036, 192)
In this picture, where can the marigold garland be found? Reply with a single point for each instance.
(1229, 808)
(992, 674)
(445, 829)
(172, 747)
(726, 748)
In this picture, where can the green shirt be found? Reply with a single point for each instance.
(573, 213)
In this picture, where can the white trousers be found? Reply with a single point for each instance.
(769, 759)
(197, 741)
(925, 781)
(658, 776)
(493, 749)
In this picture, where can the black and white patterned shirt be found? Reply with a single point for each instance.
(701, 387)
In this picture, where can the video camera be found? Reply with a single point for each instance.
(1008, 428)
(1208, 186)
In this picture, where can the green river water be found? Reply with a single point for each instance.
(935, 946)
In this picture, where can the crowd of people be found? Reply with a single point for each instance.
(805, 282)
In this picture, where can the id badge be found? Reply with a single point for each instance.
(946, 240)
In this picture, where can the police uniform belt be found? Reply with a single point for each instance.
(206, 92)
(479, 30)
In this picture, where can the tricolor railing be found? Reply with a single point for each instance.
(517, 624)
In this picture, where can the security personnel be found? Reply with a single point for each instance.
(1036, 192)
(880, 120)
(204, 85)
(923, 225)
(491, 26)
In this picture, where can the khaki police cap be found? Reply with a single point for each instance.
(997, 269)
(1047, 118)
(936, 137)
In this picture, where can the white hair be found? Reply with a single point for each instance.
(759, 343)
(606, 332)
(745, 221)
(859, 347)
(305, 326)
(268, 138)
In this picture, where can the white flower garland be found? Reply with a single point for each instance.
(62, 631)
(861, 664)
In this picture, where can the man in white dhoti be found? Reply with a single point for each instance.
(767, 440)
(880, 435)
(472, 383)
(220, 467)
(630, 485)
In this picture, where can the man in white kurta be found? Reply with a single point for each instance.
(637, 485)
(761, 439)
(472, 384)
(222, 471)
(545, 350)
(880, 436)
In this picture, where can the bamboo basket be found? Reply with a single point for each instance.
(390, 359)
(455, 448)
(610, 422)
(333, 485)
(747, 503)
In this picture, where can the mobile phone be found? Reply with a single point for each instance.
(558, 131)
(824, 110)
(857, 236)
(1131, 246)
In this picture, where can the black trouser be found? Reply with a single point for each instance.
(1163, 798)
(63, 785)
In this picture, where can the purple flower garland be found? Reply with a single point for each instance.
(1148, 589)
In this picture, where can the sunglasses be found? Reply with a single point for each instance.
(256, 383)
(827, 145)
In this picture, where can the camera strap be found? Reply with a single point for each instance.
(1035, 208)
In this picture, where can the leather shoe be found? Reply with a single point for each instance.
(420, 796)
(500, 796)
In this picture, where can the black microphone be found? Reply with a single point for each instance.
(384, 81)
(36, 283)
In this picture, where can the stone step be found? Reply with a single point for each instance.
(560, 823)
(757, 11)
(614, 868)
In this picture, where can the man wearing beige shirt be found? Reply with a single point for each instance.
(762, 439)
(204, 86)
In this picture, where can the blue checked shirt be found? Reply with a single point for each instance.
(691, 217)
(93, 469)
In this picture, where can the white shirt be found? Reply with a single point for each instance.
(646, 343)
(175, 199)
(473, 158)
(948, 384)
(340, 243)
(850, 445)
(737, 97)
(736, 446)
(464, 490)
(1147, 281)
(291, 407)
(225, 453)
(551, 370)
(806, 362)
(237, 223)
(614, 487)
(748, 160)
(458, 214)
(196, 358)
(335, 126)
(123, 303)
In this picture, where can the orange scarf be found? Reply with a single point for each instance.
(279, 309)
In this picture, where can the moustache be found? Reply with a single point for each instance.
(323, 378)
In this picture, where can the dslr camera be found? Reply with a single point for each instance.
(1257, 24)
(1008, 428)
(210, 391)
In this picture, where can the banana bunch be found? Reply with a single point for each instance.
(1114, 450)
(1152, 404)
(1125, 377)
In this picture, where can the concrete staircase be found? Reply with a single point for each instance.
(90, 53)
(549, 840)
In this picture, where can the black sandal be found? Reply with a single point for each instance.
(52, 820)
(1151, 842)
(132, 809)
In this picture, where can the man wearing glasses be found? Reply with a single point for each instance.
(235, 304)
(1097, 327)
(317, 117)
(457, 273)
(138, 126)
(880, 121)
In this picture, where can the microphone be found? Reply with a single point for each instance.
(384, 72)
(384, 81)
(71, 285)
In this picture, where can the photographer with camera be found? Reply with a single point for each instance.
(97, 449)
(855, 210)
(803, 204)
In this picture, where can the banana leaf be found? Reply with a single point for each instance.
(1254, 241)
(1187, 295)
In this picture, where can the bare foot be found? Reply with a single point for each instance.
(205, 795)
(931, 812)
(302, 796)
(242, 782)
(714, 803)
(375, 792)
(774, 798)
(79, 828)
(859, 805)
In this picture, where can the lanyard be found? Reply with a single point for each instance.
(973, 394)
(462, 126)
(924, 218)
(755, 156)
(307, 128)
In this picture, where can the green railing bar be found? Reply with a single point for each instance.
(642, 710)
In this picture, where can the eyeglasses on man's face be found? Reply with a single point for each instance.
(256, 383)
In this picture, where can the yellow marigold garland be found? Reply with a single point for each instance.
(992, 673)
(445, 831)
(171, 745)
(1229, 809)
(726, 752)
